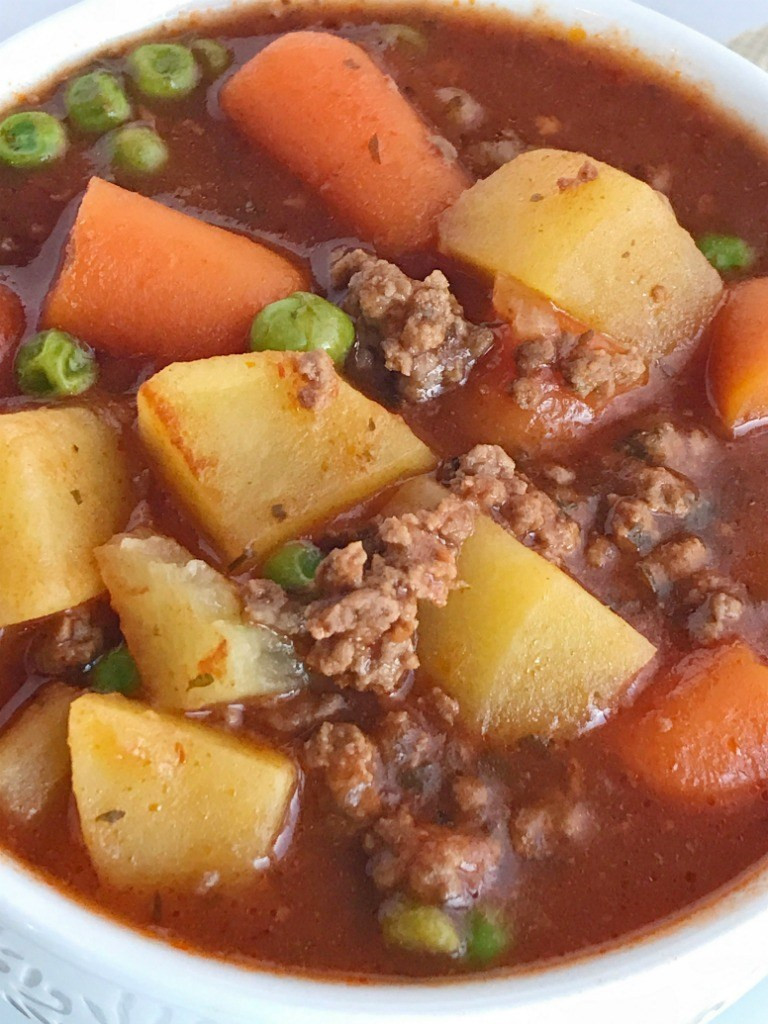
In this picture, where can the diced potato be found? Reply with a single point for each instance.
(522, 647)
(34, 756)
(252, 463)
(65, 488)
(183, 623)
(165, 801)
(607, 251)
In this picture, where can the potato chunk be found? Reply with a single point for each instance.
(522, 647)
(607, 249)
(254, 465)
(164, 801)
(65, 488)
(34, 756)
(183, 623)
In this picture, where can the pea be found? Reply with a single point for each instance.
(115, 672)
(137, 149)
(294, 565)
(487, 937)
(97, 102)
(727, 253)
(214, 57)
(302, 322)
(31, 139)
(53, 364)
(164, 71)
(421, 929)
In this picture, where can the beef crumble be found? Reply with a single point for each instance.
(65, 642)
(360, 628)
(418, 326)
(490, 478)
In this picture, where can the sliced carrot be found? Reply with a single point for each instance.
(142, 279)
(737, 372)
(12, 324)
(321, 106)
(706, 738)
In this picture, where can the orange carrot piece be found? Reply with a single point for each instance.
(142, 279)
(11, 319)
(738, 360)
(321, 106)
(706, 739)
(12, 323)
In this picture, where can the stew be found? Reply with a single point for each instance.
(383, 577)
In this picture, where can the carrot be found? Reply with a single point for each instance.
(142, 279)
(706, 738)
(737, 371)
(12, 323)
(321, 106)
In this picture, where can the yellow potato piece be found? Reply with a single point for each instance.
(34, 756)
(164, 801)
(252, 464)
(65, 487)
(183, 623)
(608, 251)
(522, 647)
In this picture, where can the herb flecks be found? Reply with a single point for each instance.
(204, 679)
(110, 817)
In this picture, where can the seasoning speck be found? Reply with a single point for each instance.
(279, 513)
(110, 817)
(373, 149)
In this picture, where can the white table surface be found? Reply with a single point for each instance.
(723, 19)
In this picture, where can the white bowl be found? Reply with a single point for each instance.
(62, 964)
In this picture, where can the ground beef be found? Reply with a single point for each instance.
(432, 863)
(360, 629)
(418, 326)
(665, 491)
(631, 523)
(585, 364)
(673, 561)
(599, 373)
(267, 604)
(587, 172)
(321, 382)
(489, 477)
(668, 445)
(65, 642)
(473, 799)
(302, 712)
(715, 605)
(461, 108)
(489, 155)
(600, 552)
(351, 768)
(413, 755)
(536, 832)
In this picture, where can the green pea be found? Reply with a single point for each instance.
(421, 929)
(487, 937)
(115, 672)
(302, 322)
(137, 149)
(214, 57)
(727, 253)
(294, 565)
(31, 139)
(53, 364)
(97, 102)
(164, 71)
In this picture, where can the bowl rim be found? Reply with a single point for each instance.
(35, 909)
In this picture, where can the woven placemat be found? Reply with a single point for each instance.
(753, 46)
